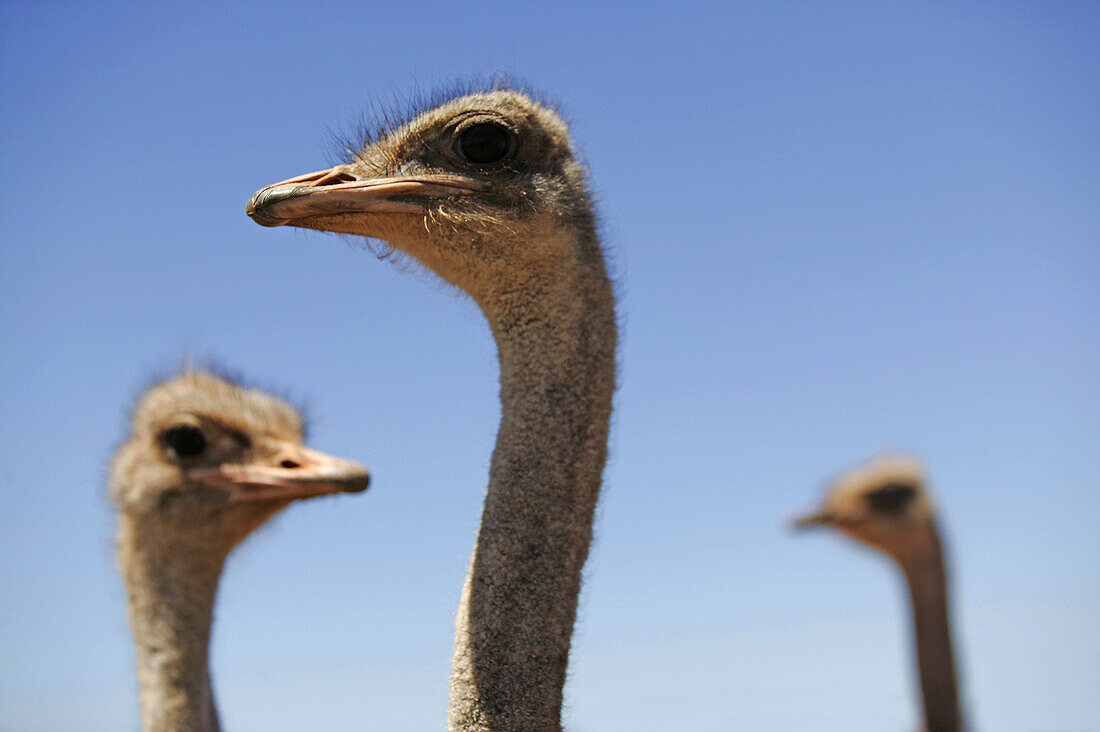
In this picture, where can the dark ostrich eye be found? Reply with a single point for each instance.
(185, 441)
(891, 499)
(484, 144)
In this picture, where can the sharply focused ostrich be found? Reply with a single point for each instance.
(207, 462)
(883, 505)
(485, 190)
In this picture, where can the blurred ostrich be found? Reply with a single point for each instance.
(884, 505)
(485, 190)
(207, 462)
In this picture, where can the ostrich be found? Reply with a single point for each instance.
(207, 462)
(485, 190)
(884, 505)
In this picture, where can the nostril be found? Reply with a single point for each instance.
(289, 464)
(335, 179)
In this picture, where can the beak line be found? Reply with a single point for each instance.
(337, 191)
(313, 474)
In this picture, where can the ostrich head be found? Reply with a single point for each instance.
(882, 504)
(483, 189)
(211, 461)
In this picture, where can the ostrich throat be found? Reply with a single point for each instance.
(926, 577)
(554, 325)
(171, 582)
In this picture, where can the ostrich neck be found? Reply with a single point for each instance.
(926, 576)
(170, 588)
(556, 340)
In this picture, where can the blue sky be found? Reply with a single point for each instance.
(837, 229)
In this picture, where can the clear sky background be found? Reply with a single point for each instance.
(837, 229)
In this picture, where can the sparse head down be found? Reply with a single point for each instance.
(470, 188)
(209, 456)
(882, 504)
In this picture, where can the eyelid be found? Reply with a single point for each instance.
(210, 427)
(184, 419)
(467, 120)
(179, 426)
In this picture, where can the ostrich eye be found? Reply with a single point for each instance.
(484, 144)
(891, 499)
(185, 441)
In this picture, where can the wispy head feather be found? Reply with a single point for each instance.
(382, 117)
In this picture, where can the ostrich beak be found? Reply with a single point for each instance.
(341, 190)
(296, 472)
(821, 518)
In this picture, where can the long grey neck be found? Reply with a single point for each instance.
(926, 576)
(170, 589)
(556, 342)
